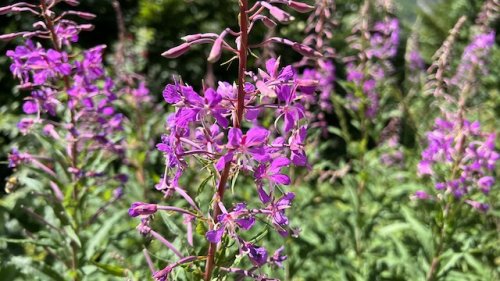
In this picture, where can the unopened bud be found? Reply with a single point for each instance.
(83, 15)
(277, 13)
(193, 37)
(72, 2)
(177, 51)
(5, 10)
(307, 82)
(300, 7)
(216, 51)
(10, 36)
(86, 27)
(305, 50)
(39, 25)
(269, 23)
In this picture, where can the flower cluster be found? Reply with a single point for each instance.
(51, 74)
(224, 127)
(325, 75)
(319, 29)
(368, 72)
(461, 158)
(71, 119)
(474, 56)
(201, 127)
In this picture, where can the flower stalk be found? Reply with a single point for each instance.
(242, 58)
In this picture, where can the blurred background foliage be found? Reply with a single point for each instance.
(357, 223)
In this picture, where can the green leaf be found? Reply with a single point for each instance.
(452, 261)
(201, 228)
(395, 227)
(26, 241)
(422, 233)
(72, 235)
(102, 235)
(112, 269)
(48, 271)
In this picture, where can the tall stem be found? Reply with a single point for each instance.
(73, 157)
(242, 57)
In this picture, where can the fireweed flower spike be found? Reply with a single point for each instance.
(460, 158)
(73, 88)
(367, 70)
(222, 127)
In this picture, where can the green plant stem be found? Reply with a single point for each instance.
(74, 151)
(242, 57)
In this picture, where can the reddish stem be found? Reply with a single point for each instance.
(242, 57)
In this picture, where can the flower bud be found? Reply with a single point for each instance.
(193, 37)
(140, 208)
(72, 2)
(83, 15)
(10, 36)
(86, 27)
(177, 51)
(216, 50)
(5, 10)
(307, 82)
(305, 50)
(39, 25)
(277, 13)
(266, 21)
(300, 7)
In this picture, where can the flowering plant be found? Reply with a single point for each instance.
(201, 129)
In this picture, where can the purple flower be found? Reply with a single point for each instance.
(249, 145)
(482, 207)
(296, 143)
(421, 195)
(278, 258)
(16, 158)
(277, 212)
(271, 173)
(274, 73)
(25, 125)
(67, 33)
(238, 218)
(475, 54)
(292, 112)
(459, 147)
(142, 209)
(257, 255)
(30, 107)
(415, 61)
(385, 40)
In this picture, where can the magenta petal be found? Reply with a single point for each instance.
(171, 95)
(278, 163)
(245, 223)
(30, 107)
(425, 168)
(256, 136)
(272, 66)
(289, 122)
(281, 179)
(259, 154)
(213, 98)
(299, 158)
(252, 114)
(221, 119)
(234, 138)
(191, 96)
(223, 160)
(263, 196)
(214, 236)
